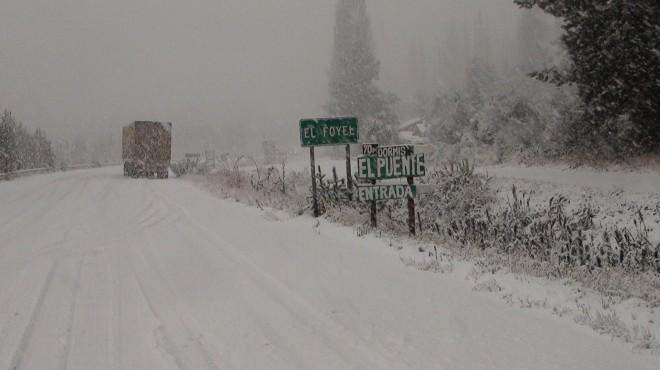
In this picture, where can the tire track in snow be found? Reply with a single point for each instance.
(163, 337)
(37, 211)
(152, 214)
(160, 334)
(17, 359)
(72, 312)
(331, 333)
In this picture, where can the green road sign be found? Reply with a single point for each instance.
(380, 168)
(329, 131)
(386, 192)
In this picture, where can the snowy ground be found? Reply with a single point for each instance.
(102, 272)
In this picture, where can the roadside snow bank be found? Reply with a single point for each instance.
(618, 303)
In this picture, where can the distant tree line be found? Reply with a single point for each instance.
(97, 147)
(20, 149)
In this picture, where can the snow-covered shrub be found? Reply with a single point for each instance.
(558, 241)
(458, 193)
(180, 168)
(644, 338)
(265, 187)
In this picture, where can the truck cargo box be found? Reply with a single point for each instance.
(147, 149)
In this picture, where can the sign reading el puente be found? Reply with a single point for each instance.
(390, 162)
(381, 168)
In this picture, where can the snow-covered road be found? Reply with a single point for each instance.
(102, 272)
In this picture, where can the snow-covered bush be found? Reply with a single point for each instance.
(560, 241)
(180, 168)
(457, 193)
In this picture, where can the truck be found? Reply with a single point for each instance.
(147, 149)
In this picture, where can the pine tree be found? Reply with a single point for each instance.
(531, 33)
(8, 154)
(44, 150)
(481, 75)
(451, 64)
(614, 50)
(420, 81)
(353, 73)
(20, 149)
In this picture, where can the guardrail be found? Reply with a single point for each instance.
(38, 171)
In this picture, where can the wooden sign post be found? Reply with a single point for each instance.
(315, 199)
(349, 174)
(328, 132)
(411, 208)
(373, 211)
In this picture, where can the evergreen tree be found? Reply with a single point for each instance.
(353, 73)
(614, 50)
(481, 75)
(44, 150)
(7, 142)
(79, 151)
(451, 61)
(21, 150)
(420, 81)
(25, 148)
(531, 35)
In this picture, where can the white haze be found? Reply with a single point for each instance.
(244, 69)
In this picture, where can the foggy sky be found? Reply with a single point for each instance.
(262, 64)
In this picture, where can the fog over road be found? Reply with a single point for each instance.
(102, 272)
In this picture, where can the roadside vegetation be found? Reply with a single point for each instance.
(21, 149)
(460, 211)
(460, 218)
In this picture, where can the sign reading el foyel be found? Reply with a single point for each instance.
(386, 192)
(329, 131)
(380, 168)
